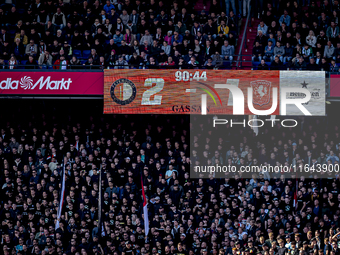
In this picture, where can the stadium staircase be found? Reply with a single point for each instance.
(251, 32)
(199, 6)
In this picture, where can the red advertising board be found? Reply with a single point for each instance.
(334, 85)
(51, 83)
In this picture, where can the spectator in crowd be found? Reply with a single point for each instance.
(257, 52)
(279, 51)
(62, 63)
(329, 50)
(263, 65)
(227, 51)
(31, 63)
(121, 63)
(45, 59)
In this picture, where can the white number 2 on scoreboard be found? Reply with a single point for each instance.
(152, 91)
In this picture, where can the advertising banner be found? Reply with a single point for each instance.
(334, 85)
(51, 83)
(203, 92)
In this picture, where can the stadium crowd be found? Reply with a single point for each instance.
(115, 34)
(232, 215)
(302, 35)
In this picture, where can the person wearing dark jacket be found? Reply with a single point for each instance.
(257, 52)
(263, 65)
(312, 65)
(31, 63)
(288, 53)
(300, 64)
(276, 64)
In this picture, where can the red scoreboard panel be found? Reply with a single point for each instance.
(148, 91)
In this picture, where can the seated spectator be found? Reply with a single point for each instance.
(45, 59)
(180, 28)
(124, 50)
(89, 64)
(300, 64)
(118, 37)
(31, 63)
(227, 51)
(257, 52)
(166, 48)
(147, 37)
(129, 37)
(209, 64)
(59, 19)
(169, 62)
(307, 52)
(337, 53)
(334, 67)
(322, 38)
(135, 60)
(285, 18)
(152, 63)
(279, 51)
(276, 64)
(13, 63)
(61, 64)
(272, 39)
(31, 49)
(217, 59)
(74, 63)
(269, 52)
(288, 53)
(102, 63)
(311, 39)
(55, 48)
(2, 63)
(312, 65)
(329, 50)
(121, 63)
(263, 65)
(18, 49)
(223, 28)
(193, 63)
(22, 36)
(273, 28)
(178, 38)
(181, 63)
(332, 32)
(324, 65)
(262, 27)
(261, 39)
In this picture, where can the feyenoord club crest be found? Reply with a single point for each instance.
(261, 92)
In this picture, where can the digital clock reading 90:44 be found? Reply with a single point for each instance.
(189, 76)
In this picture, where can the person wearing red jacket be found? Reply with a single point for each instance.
(61, 64)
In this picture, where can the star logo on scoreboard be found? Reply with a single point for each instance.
(123, 91)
